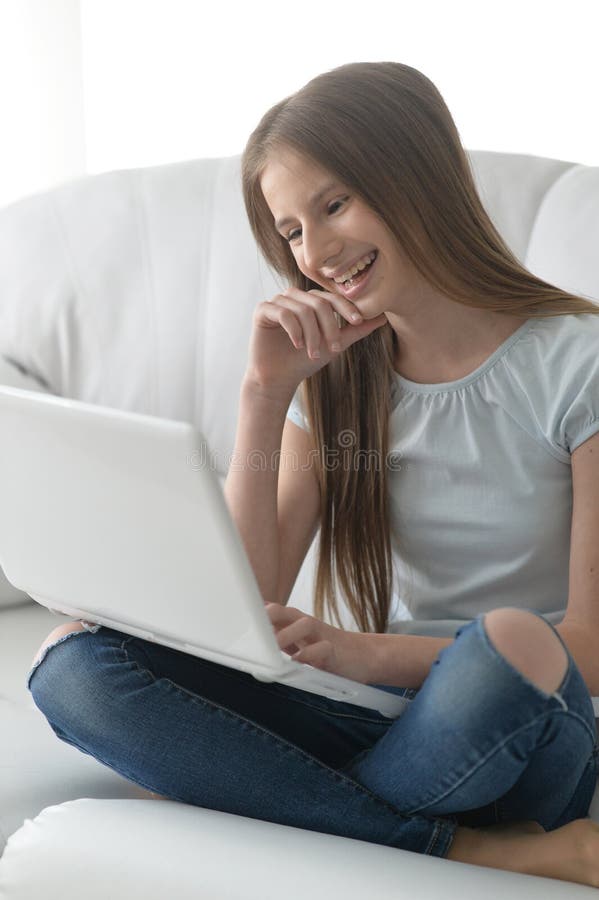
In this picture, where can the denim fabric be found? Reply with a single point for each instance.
(478, 744)
(481, 739)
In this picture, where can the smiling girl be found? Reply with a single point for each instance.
(409, 331)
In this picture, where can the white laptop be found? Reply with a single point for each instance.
(119, 518)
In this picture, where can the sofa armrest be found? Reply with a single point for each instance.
(158, 848)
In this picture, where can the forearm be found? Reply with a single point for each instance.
(399, 660)
(404, 660)
(251, 484)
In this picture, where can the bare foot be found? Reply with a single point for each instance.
(508, 828)
(569, 853)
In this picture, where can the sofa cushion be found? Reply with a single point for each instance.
(140, 848)
(36, 769)
(22, 630)
(9, 594)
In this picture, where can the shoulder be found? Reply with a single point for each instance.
(562, 352)
(554, 372)
(565, 350)
(552, 335)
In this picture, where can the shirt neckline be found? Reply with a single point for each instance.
(416, 387)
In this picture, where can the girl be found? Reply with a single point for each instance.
(442, 442)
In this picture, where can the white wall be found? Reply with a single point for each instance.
(173, 79)
(41, 98)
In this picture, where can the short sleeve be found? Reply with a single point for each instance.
(296, 411)
(576, 399)
(578, 418)
(552, 384)
(581, 420)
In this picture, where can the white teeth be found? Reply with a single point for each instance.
(357, 267)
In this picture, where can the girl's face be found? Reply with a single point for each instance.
(336, 239)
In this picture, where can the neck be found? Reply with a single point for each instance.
(446, 341)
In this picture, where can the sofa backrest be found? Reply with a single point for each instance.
(135, 289)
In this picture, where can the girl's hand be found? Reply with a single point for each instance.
(310, 641)
(296, 333)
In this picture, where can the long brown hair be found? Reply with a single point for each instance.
(384, 130)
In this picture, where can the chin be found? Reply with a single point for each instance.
(367, 310)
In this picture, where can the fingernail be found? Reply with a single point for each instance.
(316, 354)
(356, 317)
(336, 347)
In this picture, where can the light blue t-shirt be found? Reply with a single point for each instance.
(481, 501)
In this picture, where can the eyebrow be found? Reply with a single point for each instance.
(280, 223)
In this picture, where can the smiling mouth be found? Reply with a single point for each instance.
(357, 272)
(353, 277)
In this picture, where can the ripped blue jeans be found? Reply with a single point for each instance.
(478, 744)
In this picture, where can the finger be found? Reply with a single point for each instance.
(297, 633)
(282, 615)
(324, 308)
(310, 320)
(349, 336)
(341, 305)
(273, 314)
(360, 328)
(319, 655)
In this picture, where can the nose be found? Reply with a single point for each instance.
(320, 246)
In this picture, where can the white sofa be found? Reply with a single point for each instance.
(135, 289)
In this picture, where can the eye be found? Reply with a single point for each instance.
(334, 206)
(295, 233)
